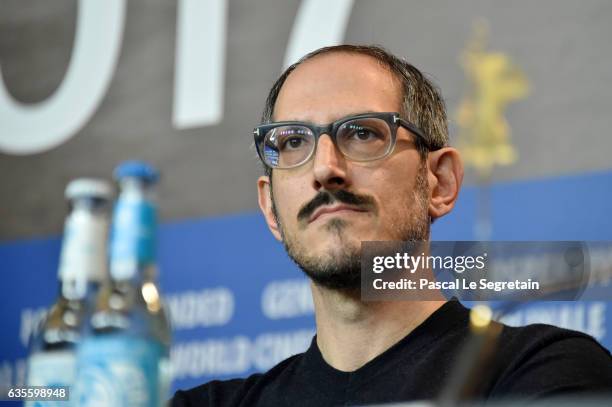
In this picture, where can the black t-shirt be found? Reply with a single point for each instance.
(530, 362)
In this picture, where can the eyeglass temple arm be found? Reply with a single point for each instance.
(415, 130)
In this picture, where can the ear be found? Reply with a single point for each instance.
(445, 177)
(265, 204)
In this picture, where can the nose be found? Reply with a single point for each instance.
(329, 166)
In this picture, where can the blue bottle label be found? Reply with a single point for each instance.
(133, 234)
(120, 371)
(51, 369)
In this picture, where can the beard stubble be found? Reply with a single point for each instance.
(340, 267)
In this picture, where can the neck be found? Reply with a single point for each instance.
(351, 332)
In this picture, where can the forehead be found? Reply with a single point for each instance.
(331, 86)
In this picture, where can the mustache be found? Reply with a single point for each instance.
(330, 197)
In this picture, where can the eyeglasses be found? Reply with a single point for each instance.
(363, 137)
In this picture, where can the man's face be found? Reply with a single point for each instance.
(325, 208)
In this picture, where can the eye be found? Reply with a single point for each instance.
(292, 140)
(362, 134)
(292, 143)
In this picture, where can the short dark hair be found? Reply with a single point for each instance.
(422, 101)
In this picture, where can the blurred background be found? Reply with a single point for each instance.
(87, 84)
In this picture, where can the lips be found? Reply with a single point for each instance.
(332, 209)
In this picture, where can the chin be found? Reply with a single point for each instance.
(345, 229)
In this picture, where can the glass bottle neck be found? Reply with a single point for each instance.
(134, 229)
(84, 248)
(79, 289)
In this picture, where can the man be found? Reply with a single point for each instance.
(362, 155)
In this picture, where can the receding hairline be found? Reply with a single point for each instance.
(396, 79)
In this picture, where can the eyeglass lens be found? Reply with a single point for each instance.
(361, 139)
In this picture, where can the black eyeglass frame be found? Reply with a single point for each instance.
(392, 119)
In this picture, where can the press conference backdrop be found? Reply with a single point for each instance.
(87, 84)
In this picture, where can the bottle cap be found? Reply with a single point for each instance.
(137, 169)
(89, 188)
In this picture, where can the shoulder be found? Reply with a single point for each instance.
(534, 339)
(235, 391)
(541, 360)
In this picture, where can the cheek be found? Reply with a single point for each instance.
(288, 197)
(393, 188)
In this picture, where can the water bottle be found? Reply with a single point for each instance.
(82, 270)
(123, 361)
